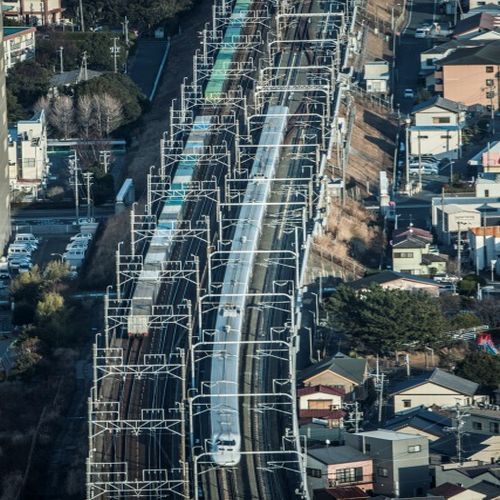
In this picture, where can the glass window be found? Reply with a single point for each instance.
(352, 475)
(494, 427)
(477, 426)
(406, 403)
(403, 255)
(489, 69)
(440, 119)
(313, 472)
(416, 448)
(383, 472)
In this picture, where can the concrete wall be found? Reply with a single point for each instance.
(4, 168)
(466, 84)
(471, 424)
(473, 4)
(440, 142)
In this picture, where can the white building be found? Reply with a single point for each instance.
(18, 44)
(28, 160)
(41, 12)
(484, 245)
(476, 6)
(376, 75)
(487, 185)
(437, 128)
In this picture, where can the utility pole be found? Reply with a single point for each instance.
(61, 59)
(84, 69)
(460, 416)
(104, 157)
(114, 51)
(125, 30)
(88, 182)
(379, 387)
(82, 22)
(407, 155)
(354, 416)
(74, 165)
(459, 248)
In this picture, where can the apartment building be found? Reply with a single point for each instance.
(39, 13)
(5, 227)
(19, 44)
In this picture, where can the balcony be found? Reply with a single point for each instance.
(366, 480)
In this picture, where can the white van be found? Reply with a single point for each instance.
(74, 254)
(19, 249)
(26, 238)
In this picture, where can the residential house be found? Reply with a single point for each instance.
(451, 491)
(334, 466)
(413, 253)
(71, 78)
(27, 150)
(340, 372)
(477, 23)
(487, 185)
(483, 421)
(479, 68)
(476, 448)
(467, 475)
(42, 12)
(438, 388)
(484, 247)
(321, 402)
(391, 280)
(318, 431)
(488, 159)
(477, 6)
(376, 76)
(437, 128)
(18, 44)
(422, 421)
(341, 493)
(400, 461)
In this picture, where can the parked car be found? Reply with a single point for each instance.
(409, 94)
(425, 158)
(426, 169)
(82, 236)
(77, 244)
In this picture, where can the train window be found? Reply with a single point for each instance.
(227, 443)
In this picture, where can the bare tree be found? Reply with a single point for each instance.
(108, 113)
(43, 104)
(86, 118)
(62, 115)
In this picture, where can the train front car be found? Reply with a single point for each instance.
(225, 418)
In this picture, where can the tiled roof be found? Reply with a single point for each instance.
(387, 277)
(353, 369)
(326, 414)
(487, 54)
(304, 391)
(447, 490)
(440, 102)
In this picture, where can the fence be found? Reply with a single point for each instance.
(42, 229)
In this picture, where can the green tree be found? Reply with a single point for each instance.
(50, 305)
(29, 354)
(56, 271)
(386, 320)
(480, 367)
(14, 109)
(464, 320)
(468, 285)
(27, 286)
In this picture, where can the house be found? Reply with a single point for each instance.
(27, 152)
(401, 281)
(488, 159)
(484, 247)
(340, 372)
(341, 493)
(478, 67)
(71, 78)
(334, 466)
(18, 44)
(476, 448)
(413, 253)
(420, 420)
(451, 491)
(438, 388)
(318, 431)
(42, 12)
(487, 185)
(400, 461)
(467, 475)
(376, 76)
(478, 6)
(437, 129)
(320, 397)
(483, 421)
(476, 23)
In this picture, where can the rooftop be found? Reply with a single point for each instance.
(486, 54)
(429, 258)
(441, 378)
(447, 444)
(304, 391)
(486, 231)
(377, 70)
(454, 44)
(73, 77)
(479, 21)
(340, 493)
(337, 454)
(353, 369)
(483, 412)
(387, 434)
(422, 419)
(447, 490)
(439, 102)
(387, 277)
(12, 31)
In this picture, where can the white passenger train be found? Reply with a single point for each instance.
(224, 417)
(148, 283)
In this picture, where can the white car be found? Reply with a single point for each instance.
(409, 94)
(82, 236)
(425, 159)
(426, 170)
(77, 244)
(422, 32)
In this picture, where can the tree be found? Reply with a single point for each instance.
(28, 355)
(112, 113)
(14, 109)
(55, 271)
(387, 320)
(27, 286)
(86, 118)
(62, 115)
(468, 286)
(50, 305)
(480, 367)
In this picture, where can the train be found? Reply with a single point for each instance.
(225, 435)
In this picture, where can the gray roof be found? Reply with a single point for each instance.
(388, 435)
(337, 454)
(486, 488)
(376, 70)
(410, 242)
(387, 277)
(480, 412)
(353, 369)
(447, 445)
(441, 378)
(487, 54)
(72, 77)
(479, 21)
(421, 419)
(429, 258)
(440, 102)
(455, 44)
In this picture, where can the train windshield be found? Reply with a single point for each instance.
(227, 443)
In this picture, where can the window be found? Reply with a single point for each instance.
(494, 427)
(383, 472)
(403, 255)
(486, 193)
(477, 426)
(489, 69)
(406, 403)
(313, 472)
(490, 95)
(352, 475)
(319, 404)
(490, 83)
(416, 448)
(440, 119)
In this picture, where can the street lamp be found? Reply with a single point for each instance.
(420, 160)
(492, 268)
(55, 254)
(407, 153)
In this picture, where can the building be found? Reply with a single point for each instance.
(376, 76)
(341, 493)
(487, 185)
(42, 12)
(483, 421)
(468, 475)
(413, 253)
(18, 44)
(421, 421)
(488, 159)
(476, 448)
(391, 280)
(5, 227)
(451, 491)
(28, 160)
(476, 23)
(334, 466)
(476, 6)
(318, 432)
(400, 461)
(320, 397)
(484, 247)
(340, 372)
(436, 388)
(478, 67)
(71, 78)
(437, 128)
